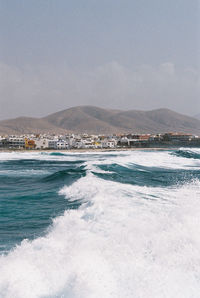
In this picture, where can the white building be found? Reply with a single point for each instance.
(52, 144)
(109, 143)
(41, 143)
(61, 144)
(16, 142)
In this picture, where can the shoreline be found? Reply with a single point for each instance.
(85, 150)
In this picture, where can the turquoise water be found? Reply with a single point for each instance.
(29, 196)
(118, 224)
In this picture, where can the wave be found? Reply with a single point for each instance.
(72, 173)
(161, 159)
(123, 241)
(32, 156)
(188, 153)
(57, 153)
(146, 176)
(146, 159)
(129, 237)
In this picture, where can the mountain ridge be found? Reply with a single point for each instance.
(92, 119)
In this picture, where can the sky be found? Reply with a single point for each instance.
(121, 54)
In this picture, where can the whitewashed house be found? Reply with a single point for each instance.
(61, 144)
(41, 143)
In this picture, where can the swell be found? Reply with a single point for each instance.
(54, 153)
(29, 162)
(125, 241)
(187, 153)
(29, 200)
(70, 173)
(116, 237)
(147, 176)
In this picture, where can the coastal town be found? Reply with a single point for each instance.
(87, 141)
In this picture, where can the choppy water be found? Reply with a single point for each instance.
(115, 224)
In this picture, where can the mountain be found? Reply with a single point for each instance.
(28, 125)
(94, 119)
(98, 120)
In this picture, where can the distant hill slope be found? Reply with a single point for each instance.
(28, 125)
(97, 120)
(94, 119)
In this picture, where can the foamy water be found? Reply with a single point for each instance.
(126, 239)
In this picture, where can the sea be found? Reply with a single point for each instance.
(111, 224)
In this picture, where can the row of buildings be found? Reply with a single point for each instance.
(84, 141)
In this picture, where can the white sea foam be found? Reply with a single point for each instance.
(124, 241)
(145, 158)
(22, 173)
(160, 159)
(192, 150)
(35, 156)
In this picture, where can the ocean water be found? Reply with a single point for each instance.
(107, 224)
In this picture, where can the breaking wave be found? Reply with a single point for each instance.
(188, 153)
(126, 239)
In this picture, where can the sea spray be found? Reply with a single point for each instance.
(122, 239)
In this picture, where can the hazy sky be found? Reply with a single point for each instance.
(127, 54)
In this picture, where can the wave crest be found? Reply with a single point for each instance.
(188, 153)
(124, 241)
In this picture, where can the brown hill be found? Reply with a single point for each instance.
(94, 119)
(28, 125)
(84, 119)
(97, 120)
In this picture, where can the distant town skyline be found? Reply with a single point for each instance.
(113, 54)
